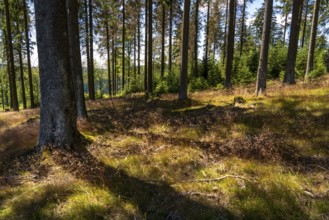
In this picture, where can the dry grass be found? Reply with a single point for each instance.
(207, 158)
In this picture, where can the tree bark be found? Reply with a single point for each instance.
(310, 57)
(242, 26)
(196, 38)
(57, 111)
(230, 44)
(289, 77)
(146, 45)
(21, 67)
(123, 42)
(205, 71)
(75, 57)
(163, 40)
(11, 63)
(150, 48)
(139, 44)
(170, 37)
(91, 77)
(225, 34)
(108, 57)
(262, 68)
(305, 23)
(184, 67)
(29, 69)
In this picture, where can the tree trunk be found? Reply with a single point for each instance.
(242, 26)
(11, 63)
(91, 80)
(285, 28)
(230, 44)
(113, 68)
(196, 38)
(146, 45)
(139, 44)
(184, 67)
(108, 57)
(87, 45)
(29, 69)
(305, 23)
(289, 77)
(310, 57)
(170, 37)
(150, 48)
(123, 42)
(75, 57)
(21, 67)
(57, 111)
(205, 71)
(163, 40)
(135, 69)
(225, 35)
(262, 68)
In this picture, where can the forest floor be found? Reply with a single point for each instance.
(216, 156)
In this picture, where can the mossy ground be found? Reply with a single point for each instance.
(206, 158)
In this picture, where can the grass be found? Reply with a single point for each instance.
(207, 158)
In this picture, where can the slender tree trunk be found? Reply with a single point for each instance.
(289, 77)
(146, 45)
(91, 76)
(2, 95)
(9, 75)
(196, 38)
(28, 53)
(305, 23)
(87, 46)
(242, 26)
(184, 67)
(139, 44)
(11, 63)
(135, 69)
(108, 57)
(57, 111)
(285, 28)
(123, 42)
(113, 68)
(75, 57)
(262, 68)
(230, 44)
(163, 40)
(150, 48)
(21, 67)
(170, 37)
(205, 72)
(225, 35)
(310, 57)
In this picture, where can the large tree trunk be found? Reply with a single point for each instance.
(230, 44)
(310, 57)
(289, 76)
(150, 48)
(11, 63)
(123, 42)
(170, 37)
(146, 45)
(196, 38)
(29, 69)
(242, 26)
(262, 68)
(75, 57)
(163, 40)
(91, 80)
(57, 111)
(184, 67)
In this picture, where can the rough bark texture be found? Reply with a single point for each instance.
(57, 110)
(310, 57)
(91, 80)
(184, 67)
(304, 23)
(262, 68)
(289, 76)
(29, 69)
(12, 74)
(230, 44)
(150, 48)
(75, 57)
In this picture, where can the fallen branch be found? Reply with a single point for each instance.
(212, 180)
